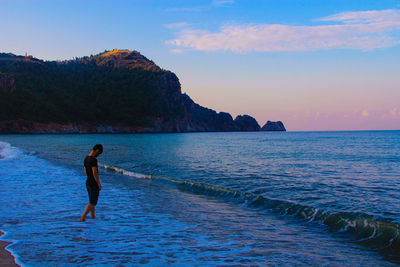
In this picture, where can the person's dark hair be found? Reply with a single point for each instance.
(98, 147)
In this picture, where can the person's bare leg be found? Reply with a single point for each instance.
(93, 216)
(85, 213)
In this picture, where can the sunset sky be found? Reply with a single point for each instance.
(315, 64)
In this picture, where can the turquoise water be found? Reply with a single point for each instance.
(206, 199)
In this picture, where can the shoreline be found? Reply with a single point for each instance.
(21, 126)
(7, 259)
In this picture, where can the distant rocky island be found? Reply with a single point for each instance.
(276, 126)
(118, 91)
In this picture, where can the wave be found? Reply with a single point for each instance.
(369, 231)
(124, 172)
(7, 151)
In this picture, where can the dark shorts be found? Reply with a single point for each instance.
(93, 192)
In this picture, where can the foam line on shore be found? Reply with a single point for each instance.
(369, 231)
(7, 151)
(10, 258)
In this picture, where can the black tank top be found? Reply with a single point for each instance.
(90, 162)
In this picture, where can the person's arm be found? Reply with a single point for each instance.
(96, 176)
(84, 170)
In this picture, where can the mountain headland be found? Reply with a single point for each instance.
(118, 91)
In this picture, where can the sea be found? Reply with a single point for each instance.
(204, 199)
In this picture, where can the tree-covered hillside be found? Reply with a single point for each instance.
(115, 91)
(89, 89)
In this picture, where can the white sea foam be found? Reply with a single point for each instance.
(125, 172)
(7, 151)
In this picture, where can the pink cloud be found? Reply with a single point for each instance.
(372, 16)
(365, 113)
(364, 30)
(395, 112)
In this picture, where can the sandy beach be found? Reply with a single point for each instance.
(6, 258)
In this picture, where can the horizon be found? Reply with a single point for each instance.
(330, 67)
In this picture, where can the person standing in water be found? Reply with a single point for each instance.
(93, 184)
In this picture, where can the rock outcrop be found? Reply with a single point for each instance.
(273, 126)
(246, 123)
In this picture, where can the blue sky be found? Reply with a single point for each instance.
(315, 65)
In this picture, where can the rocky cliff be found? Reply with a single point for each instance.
(273, 126)
(246, 123)
(118, 91)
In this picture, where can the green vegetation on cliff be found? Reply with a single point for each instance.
(119, 87)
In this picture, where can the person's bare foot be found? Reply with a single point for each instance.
(81, 220)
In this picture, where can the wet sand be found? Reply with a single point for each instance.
(6, 258)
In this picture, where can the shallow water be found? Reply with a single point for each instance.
(205, 199)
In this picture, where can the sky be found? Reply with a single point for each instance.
(316, 65)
